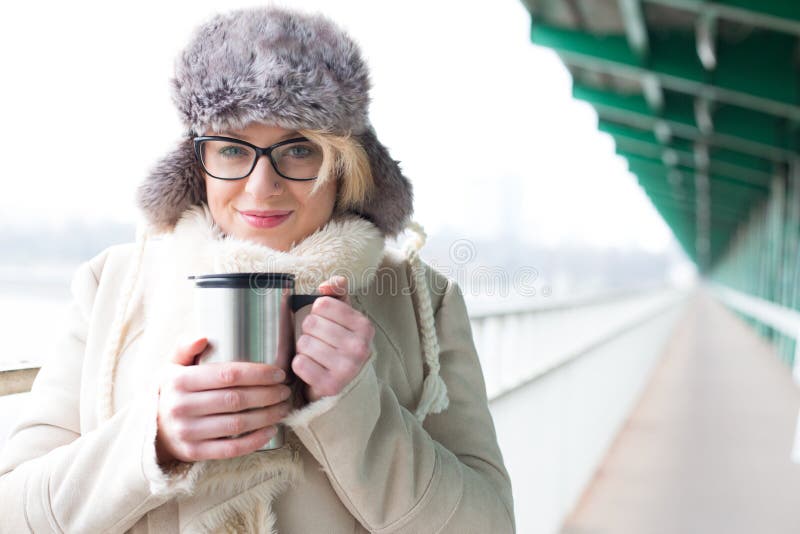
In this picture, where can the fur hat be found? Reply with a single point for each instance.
(281, 67)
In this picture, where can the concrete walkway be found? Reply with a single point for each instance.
(707, 449)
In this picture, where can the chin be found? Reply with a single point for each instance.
(273, 238)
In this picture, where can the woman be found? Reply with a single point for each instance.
(280, 171)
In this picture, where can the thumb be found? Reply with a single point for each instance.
(336, 286)
(187, 352)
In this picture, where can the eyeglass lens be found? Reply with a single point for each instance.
(228, 159)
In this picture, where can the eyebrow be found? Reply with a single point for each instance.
(281, 138)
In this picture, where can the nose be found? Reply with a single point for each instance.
(264, 181)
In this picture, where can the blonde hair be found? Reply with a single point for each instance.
(343, 158)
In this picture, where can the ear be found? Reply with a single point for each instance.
(391, 203)
(173, 185)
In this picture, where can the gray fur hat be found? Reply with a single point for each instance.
(277, 66)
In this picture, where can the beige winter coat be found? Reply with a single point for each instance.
(374, 458)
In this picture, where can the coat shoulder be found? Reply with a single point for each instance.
(438, 282)
(113, 256)
(118, 257)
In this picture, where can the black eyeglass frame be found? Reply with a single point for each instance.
(258, 150)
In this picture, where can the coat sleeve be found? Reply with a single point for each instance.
(53, 478)
(397, 475)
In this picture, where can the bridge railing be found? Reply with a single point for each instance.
(562, 380)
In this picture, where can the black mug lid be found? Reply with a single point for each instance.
(245, 280)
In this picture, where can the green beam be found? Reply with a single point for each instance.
(742, 76)
(659, 177)
(760, 141)
(721, 161)
(717, 215)
(686, 158)
(723, 203)
(683, 226)
(743, 200)
(727, 203)
(717, 219)
(722, 214)
(776, 15)
(721, 182)
(725, 210)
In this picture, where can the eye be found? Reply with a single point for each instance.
(232, 151)
(299, 151)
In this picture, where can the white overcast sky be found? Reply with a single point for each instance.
(482, 120)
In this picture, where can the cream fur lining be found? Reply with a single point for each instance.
(347, 245)
(250, 483)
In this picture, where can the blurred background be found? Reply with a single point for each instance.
(614, 184)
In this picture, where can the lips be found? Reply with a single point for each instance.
(266, 213)
(264, 218)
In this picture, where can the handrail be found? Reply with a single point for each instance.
(784, 320)
(17, 380)
(496, 334)
(569, 302)
(570, 359)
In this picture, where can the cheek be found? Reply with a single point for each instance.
(219, 192)
(219, 195)
(324, 200)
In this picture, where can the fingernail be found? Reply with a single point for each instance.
(279, 375)
(270, 432)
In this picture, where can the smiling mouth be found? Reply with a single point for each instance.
(264, 219)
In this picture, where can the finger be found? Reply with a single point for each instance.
(339, 312)
(230, 400)
(326, 330)
(228, 374)
(309, 370)
(230, 425)
(336, 286)
(186, 352)
(334, 361)
(230, 447)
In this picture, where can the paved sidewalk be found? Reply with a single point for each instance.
(707, 449)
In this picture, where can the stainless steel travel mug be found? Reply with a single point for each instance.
(248, 317)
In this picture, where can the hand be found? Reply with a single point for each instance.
(200, 406)
(335, 343)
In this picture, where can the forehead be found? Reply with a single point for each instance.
(257, 131)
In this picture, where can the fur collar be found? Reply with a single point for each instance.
(347, 245)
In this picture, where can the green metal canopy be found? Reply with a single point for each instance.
(701, 97)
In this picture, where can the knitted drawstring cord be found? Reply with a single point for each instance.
(434, 391)
(119, 329)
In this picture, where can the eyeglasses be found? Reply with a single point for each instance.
(227, 158)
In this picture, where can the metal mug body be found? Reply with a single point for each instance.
(247, 317)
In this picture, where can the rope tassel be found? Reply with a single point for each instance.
(434, 391)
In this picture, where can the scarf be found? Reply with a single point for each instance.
(347, 245)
